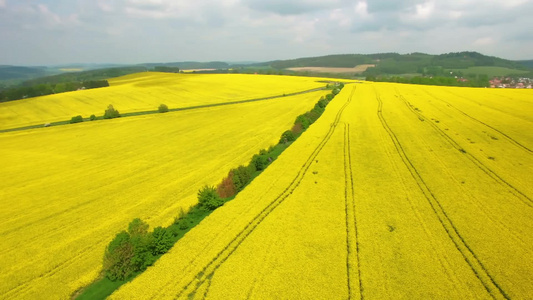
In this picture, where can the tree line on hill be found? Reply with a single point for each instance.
(478, 81)
(22, 92)
(395, 63)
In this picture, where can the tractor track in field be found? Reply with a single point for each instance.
(516, 192)
(208, 270)
(352, 238)
(454, 144)
(480, 271)
(510, 139)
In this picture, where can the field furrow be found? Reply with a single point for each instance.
(353, 271)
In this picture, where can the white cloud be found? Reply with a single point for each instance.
(361, 9)
(484, 41)
(424, 10)
(455, 14)
(174, 30)
(105, 6)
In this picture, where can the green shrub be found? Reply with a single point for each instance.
(304, 120)
(134, 250)
(260, 162)
(322, 103)
(111, 112)
(117, 258)
(242, 176)
(162, 240)
(76, 119)
(183, 225)
(287, 136)
(329, 97)
(137, 227)
(92, 117)
(163, 108)
(142, 251)
(226, 188)
(208, 198)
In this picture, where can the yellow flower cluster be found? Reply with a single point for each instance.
(396, 192)
(67, 190)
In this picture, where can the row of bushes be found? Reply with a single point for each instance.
(111, 113)
(134, 250)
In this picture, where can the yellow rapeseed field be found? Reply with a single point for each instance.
(67, 190)
(146, 91)
(396, 192)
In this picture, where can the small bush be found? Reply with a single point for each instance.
(117, 258)
(111, 112)
(297, 129)
(137, 227)
(304, 120)
(322, 103)
(313, 115)
(163, 108)
(162, 240)
(287, 136)
(208, 198)
(260, 162)
(242, 176)
(76, 119)
(92, 117)
(226, 188)
(183, 225)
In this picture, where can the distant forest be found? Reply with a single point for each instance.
(420, 68)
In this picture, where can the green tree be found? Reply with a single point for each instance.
(111, 112)
(137, 227)
(242, 176)
(76, 119)
(208, 198)
(163, 108)
(260, 161)
(143, 244)
(163, 240)
(117, 257)
(287, 136)
(304, 120)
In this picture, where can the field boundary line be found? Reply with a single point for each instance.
(480, 271)
(232, 246)
(149, 112)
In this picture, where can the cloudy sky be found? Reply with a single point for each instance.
(43, 32)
